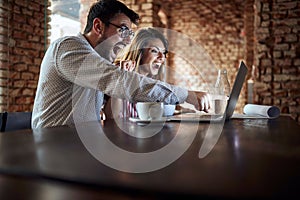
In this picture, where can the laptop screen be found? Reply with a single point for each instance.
(236, 89)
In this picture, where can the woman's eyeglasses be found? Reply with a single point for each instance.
(123, 31)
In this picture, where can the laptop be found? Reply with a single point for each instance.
(203, 117)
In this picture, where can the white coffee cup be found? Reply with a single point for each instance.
(150, 110)
(169, 110)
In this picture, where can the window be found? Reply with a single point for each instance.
(65, 18)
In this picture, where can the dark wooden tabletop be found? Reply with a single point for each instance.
(252, 158)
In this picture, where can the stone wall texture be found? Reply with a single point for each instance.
(204, 35)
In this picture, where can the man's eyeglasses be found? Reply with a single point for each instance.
(123, 31)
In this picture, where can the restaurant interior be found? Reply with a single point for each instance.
(265, 34)
(252, 158)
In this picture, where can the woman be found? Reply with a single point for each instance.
(148, 50)
(146, 55)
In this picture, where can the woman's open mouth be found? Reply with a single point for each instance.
(156, 65)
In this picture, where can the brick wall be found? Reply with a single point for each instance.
(22, 47)
(277, 54)
(215, 26)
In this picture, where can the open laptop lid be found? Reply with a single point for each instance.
(236, 90)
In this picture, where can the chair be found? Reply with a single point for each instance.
(11, 121)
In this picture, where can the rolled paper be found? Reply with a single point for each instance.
(262, 110)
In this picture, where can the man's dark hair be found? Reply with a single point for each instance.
(105, 10)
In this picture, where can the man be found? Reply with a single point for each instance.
(76, 72)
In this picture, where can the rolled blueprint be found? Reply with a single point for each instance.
(262, 110)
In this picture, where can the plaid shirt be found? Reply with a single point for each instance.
(74, 78)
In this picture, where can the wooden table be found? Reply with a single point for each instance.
(252, 158)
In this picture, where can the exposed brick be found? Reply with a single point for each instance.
(282, 62)
(18, 18)
(285, 27)
(21, 67)
(291, 38)
(3, 73)
(20, 3)
(266, 62)
(3, 100)
(19, 84)
(20, 45)
(267, 78)
(277, 54)
(13, 75)
(26, 12)
(282, 30)
(28, 92)
(289, 54)
(24, 100)
(32, 84)
(282, 47)
(19, 35)
(3, 56)
(295, 78)
(297, 62)
(27, 76)
(287, 5)
(289, 70)
(146, 6)
(35, 6)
